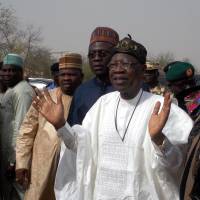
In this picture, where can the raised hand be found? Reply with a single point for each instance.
(53, 112)
(159, 119)
(22, 177)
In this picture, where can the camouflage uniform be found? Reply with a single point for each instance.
(159, 90)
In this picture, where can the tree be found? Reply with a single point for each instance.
(39, 62)
(24, 41)
(164, 58)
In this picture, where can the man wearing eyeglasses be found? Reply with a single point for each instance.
(128, 146)
(102, 41)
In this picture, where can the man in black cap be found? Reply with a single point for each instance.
(127, 147)
(54, 74)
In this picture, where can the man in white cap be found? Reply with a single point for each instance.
(14, 105)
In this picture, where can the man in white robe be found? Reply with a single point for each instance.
(127, 147)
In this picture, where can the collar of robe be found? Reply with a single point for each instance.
(126, 129)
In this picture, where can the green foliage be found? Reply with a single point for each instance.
(86, 70)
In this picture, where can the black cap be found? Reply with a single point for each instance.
(131, 47)
(55, 67)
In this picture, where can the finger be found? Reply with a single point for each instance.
(156, 108)
(39, 94)
(38, 103)
(167, 103)
(47, 95)
(59, 96)
(26, 180)
(19, 178)
(35, 105)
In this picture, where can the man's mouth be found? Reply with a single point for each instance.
(119, 80)
(98, 67)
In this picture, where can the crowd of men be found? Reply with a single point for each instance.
(120, 135)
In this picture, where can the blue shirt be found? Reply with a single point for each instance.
(51, 85)
(85, 96)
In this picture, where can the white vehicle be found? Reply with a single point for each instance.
(39, 83)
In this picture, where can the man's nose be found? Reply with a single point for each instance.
(119, 67)
(6, 73)
(66, 77)
(97, 57)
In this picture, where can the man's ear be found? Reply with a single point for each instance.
(142, 69)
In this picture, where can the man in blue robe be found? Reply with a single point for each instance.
(102, 41)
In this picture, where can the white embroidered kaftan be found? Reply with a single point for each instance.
(108, 168)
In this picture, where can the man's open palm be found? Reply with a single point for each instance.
(159, 119)
(53, 112)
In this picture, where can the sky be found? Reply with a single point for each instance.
(160, 25)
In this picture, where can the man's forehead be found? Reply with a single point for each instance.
(100, 46)
(69, 70)
(123, 56)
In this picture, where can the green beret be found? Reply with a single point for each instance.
(13, 59)
(178, 70)
(133, 48)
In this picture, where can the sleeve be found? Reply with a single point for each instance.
(68, 135)
(172, 152)
(71, 135)
(25, 139)
(169, 155)
(22, 102)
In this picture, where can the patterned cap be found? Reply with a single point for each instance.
(104, 34)
(13, 59)
(70, 60)
(131, 47)
(152, 66)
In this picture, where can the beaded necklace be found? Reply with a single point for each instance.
(129, 119)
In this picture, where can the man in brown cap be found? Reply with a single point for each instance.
(127, 147)
(151, 75)
(102, 41)
(38, 146)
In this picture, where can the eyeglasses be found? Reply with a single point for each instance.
(101, 53)
(123, 65)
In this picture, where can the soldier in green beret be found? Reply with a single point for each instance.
(180, 76)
